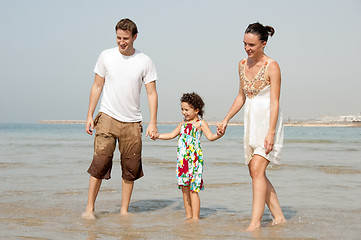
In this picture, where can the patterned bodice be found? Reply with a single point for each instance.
(189, 130)
(251, 87)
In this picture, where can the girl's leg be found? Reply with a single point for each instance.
(187, 201)
(196, 205)
(273, 204)
(257, 168)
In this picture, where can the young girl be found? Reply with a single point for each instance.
(189, 155)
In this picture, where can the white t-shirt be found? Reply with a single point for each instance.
(124, 77)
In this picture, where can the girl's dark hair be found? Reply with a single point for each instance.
(195, 101)
(262, 31)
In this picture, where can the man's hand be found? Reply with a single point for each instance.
(152, 131)
(89, 125)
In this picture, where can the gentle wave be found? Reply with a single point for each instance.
(309, 141)
(338, 170)
(323, 168)
(222, 185)
(10, 165)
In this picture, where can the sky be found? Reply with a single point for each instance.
(49, 49)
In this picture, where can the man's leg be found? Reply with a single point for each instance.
(127, 189)
(94, 185)
(101, 166)
(130, 148)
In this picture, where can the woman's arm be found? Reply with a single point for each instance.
(274, 74)
(171, 135)
(236, 106)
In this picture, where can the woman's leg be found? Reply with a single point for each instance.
(187, 201)
(273, 204)
(257, 168)
(196, 205)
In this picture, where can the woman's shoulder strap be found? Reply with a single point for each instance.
(268, 62)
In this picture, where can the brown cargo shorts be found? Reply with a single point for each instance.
(129, 137)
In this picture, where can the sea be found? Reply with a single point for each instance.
(44, 186)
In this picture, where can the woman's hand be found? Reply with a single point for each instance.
(269, 142)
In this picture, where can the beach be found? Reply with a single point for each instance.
(45, 183)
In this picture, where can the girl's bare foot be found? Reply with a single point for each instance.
(123, 212)
(89, 215)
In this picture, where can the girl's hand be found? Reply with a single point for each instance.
(268, 143)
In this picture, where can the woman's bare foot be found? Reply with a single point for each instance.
(124, 213)
(279, 221)
(252, 227)
(89, 215)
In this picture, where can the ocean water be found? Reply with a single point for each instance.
(44, 186)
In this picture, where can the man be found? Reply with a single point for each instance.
(120, 73)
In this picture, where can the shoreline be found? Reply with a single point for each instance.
(213, 123)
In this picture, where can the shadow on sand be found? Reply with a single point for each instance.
(149, 205)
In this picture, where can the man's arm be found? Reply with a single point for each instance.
(95, 92)
(152, 95)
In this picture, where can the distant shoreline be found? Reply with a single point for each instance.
(287, 124)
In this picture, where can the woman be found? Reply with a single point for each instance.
(260, 84)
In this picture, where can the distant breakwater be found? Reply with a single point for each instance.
(289, 124)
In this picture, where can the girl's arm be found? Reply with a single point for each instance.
(236, 106)
(274, 74)
(171, 135)
(207, 131)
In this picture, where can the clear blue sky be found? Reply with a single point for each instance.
(49, 48)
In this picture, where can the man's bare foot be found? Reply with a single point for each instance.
(280, 221)
(89, 215)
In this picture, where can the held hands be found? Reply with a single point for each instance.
(221, 128)
(152, 131)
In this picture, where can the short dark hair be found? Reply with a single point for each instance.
(262, 31)
(127, 24)
(195, 101)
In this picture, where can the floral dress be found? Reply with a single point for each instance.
(190, 158)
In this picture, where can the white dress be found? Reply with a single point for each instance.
(257, 116)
